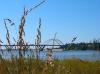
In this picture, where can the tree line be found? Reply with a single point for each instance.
(93, 45)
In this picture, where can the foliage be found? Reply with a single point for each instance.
(94, 45)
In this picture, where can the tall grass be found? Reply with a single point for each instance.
(32, 66)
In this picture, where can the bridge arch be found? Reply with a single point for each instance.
(53, 42)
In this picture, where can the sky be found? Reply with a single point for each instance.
(67, 18)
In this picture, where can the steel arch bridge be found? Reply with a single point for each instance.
(51, 43)
(59, 42)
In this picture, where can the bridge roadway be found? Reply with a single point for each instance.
(42, 46)
(33, 45)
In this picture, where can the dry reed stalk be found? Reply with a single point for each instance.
(21, 41)
(50, 58)
(7, 34)
(21, 31)
(38, 40)
(1, 42)
(54, 40)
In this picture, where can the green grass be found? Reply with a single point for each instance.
(32, 66)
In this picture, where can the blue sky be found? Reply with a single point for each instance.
(69, 18)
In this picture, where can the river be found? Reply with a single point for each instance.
(90, 55)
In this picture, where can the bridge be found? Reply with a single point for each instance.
(51, 43)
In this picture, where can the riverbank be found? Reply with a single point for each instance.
(32, 66)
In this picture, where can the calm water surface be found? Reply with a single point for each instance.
(78, 54)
